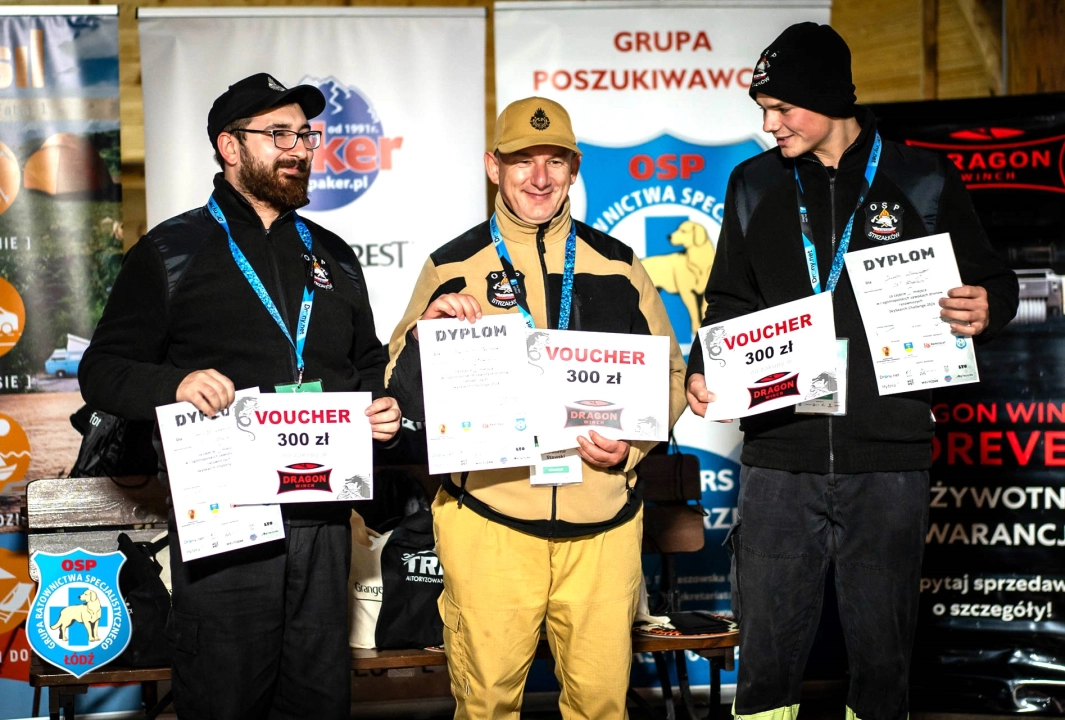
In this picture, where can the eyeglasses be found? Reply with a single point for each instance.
(286, 139)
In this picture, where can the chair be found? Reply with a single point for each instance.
(670, 526)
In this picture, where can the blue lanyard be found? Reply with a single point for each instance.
(567, 276)
(807, 232)
(304, 320)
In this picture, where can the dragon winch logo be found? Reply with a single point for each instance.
(593, 413)
(774, 387)
(304, 476)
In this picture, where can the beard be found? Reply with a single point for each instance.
(281, 191)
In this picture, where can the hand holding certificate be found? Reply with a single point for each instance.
(200, 464)
(898, 287)
(612, 383)
(770, 359)
(498, 394)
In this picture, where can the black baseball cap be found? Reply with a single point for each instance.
(257, 93)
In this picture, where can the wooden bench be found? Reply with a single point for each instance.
(65, 513)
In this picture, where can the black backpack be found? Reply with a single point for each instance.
(148, 602)
(412, 580)
(112, 446)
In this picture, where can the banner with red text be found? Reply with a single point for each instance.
(658, 96)
(992, 615)
(399, 171)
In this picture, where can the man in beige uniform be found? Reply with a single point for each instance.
(515, 554)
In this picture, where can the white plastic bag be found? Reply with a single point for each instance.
(364, 583)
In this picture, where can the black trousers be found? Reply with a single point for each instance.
(791, 526)
(263, 632)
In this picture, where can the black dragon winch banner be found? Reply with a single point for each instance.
(992, 625)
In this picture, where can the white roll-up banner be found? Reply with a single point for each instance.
(399, 171)
(658, 96)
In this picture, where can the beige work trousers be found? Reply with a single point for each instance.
(499, 586)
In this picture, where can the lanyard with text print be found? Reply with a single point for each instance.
(512, 277)
(807, 232)
(304, 320)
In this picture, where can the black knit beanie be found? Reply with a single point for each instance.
(808, 66)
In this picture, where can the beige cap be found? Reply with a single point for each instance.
(533, 121)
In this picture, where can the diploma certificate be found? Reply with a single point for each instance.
(475, 383)
(200, 463)
(771, 358)
(898, 287)
(613, 383)
(303, 447)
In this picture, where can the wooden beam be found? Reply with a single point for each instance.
(984, 20)
(930, 46)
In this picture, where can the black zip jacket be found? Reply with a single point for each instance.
(152, 336)
(760, 264)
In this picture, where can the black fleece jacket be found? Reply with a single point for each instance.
(150, 336)
(760, 264)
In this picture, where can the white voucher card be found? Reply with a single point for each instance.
(499, 394)
(200, 463)
(898, 287)
(303, 447)
(770, 359)
(613, 383)
(475, 383)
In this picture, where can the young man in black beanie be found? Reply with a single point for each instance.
(848, 490)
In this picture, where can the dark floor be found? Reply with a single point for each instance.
(811, 710)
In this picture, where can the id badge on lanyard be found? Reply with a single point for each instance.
(835, 400)
(566, 302)
(834, 403)
(564, 467)
(306, 305)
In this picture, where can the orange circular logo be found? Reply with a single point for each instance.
(10, 178)
(16, 589)
(14, 453)
(12, 316)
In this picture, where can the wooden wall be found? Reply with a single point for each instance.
(1035, 31)
(901, 50)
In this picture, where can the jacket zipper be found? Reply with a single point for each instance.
(283, 306)
(541, 248)
(832, 209)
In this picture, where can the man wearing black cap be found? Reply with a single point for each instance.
(262, 631)
(850, 490)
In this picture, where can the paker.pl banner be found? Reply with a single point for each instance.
(399, 171)
(658, 96)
